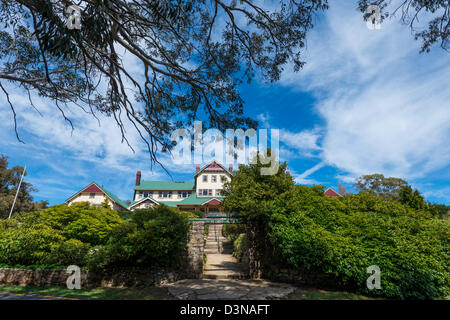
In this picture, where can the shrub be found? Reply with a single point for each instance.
(79, 221)
(69, 252)
(153, 237)
(28, 246)
(331, 236)
(299, 227)
(60, 235)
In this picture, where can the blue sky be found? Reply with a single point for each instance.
(366, 102)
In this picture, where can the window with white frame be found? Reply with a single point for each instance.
(205, 178)
(183, 194)
(165, 194)
(223, 179)
(91, 195)
(213, 178)
(219, 192)
(205, 192)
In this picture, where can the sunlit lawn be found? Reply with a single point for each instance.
(148, 293)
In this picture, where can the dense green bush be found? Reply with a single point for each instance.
(28, 246)
(89, 224)
(153, 237)
(71, 251)
(95, 236)
(60, 235)
(300, 227)
(343, 237)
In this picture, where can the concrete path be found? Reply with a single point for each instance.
(214, 289)
(220, 264)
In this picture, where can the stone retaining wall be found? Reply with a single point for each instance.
(111, 278)
(196, 249)
(117, 277)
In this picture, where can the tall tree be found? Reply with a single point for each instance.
(378, 184)
(9, 181)
(412, 198)
(193, 55)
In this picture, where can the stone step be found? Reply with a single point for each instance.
(224, 276)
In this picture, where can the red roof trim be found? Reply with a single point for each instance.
(212, 166)
(331, 193)
(212, 201)
(91, 189)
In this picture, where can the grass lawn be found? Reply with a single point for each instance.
(150, 293)
(317, 294)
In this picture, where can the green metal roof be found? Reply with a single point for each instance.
(114, 197)
(165, 185)
(194, 199)
(172, 204)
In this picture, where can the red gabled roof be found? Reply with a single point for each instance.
(212, 201)
(331, 193)
(91, 189)
(213, 166)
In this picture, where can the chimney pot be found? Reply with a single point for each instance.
(197, 168)
(138, 178)
(231, 167)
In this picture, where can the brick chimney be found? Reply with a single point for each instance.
(230, 168)
(197, 168)
(138, 178)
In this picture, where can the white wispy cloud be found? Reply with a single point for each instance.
(386, 107)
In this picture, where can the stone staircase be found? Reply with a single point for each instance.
(220, 264)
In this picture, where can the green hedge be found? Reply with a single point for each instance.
(153, 237)
(94, 237)
(343, 237)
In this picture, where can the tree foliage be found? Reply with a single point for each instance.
(9, 181)
(381, 186)
(193, 54)
(252, 195)
(438, 31)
